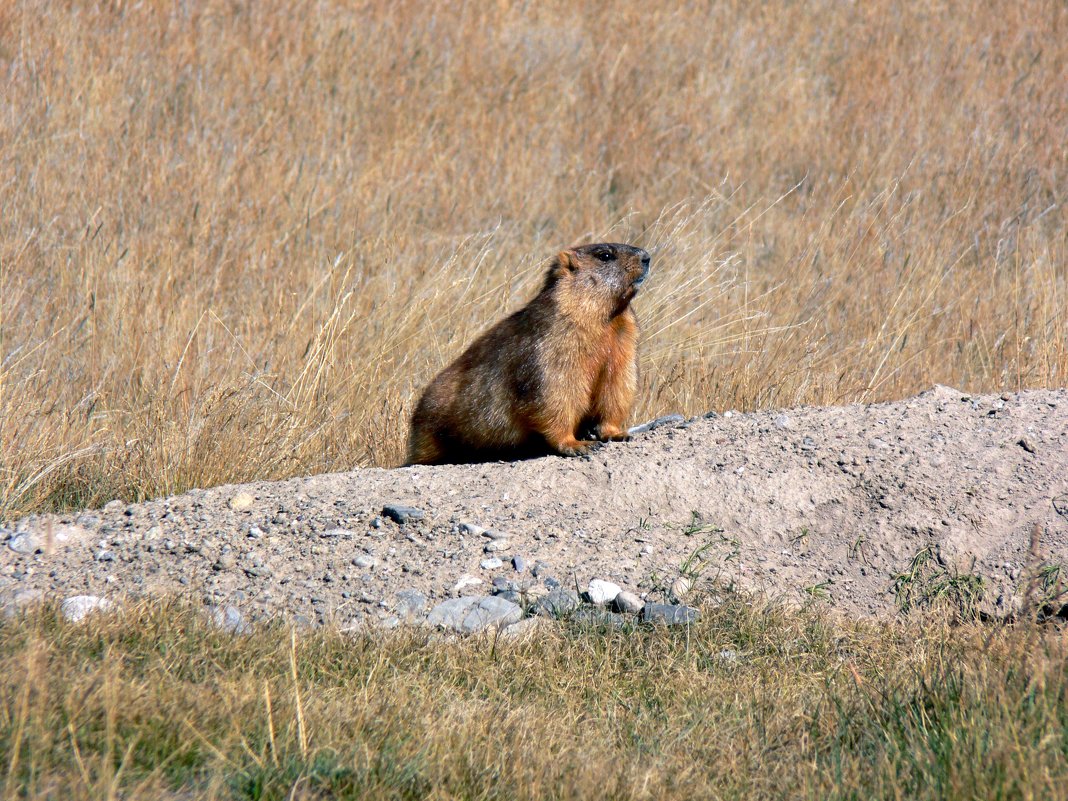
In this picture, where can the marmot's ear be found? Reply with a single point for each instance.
(564, 263)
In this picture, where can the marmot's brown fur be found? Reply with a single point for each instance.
(559, 370)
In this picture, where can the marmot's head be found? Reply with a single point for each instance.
(608, 273)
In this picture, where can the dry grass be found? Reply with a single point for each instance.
(151, 703)
(236, 238)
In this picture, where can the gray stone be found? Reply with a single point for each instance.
(365, 561)
(474, 613)
(402, 514)
(501, 584)
(669, 614)
(628, 602)
(652, 425)
(411, 604)
(490, 564)
(24, 542)
(478, 531)
(602, 592)
(77, 607)
(524, 628)
(599, 617)
(493, 612)
(494, 546)
(19, 600)
(229, 619)
(556, 603)
(519, 564)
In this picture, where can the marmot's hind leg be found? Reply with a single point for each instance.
(424, 447)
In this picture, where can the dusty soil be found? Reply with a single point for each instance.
(808, 503)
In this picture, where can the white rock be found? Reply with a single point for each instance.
(465, 582)
(602, 592)
(77, 607)
(491, 564)
(629, 602)
(242, 501)
(494, 546)
(680, 588)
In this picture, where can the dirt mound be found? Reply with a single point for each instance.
(808, 503)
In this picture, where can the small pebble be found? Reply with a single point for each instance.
(519, 564)
(490, 564)
(402, 514)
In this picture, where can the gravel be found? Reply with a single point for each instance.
(846, 495)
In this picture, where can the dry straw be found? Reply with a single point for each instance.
(235, 239)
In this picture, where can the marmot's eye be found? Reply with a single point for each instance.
(604, 255)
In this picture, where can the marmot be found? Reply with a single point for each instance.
(554, 377)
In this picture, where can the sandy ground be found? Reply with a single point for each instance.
(823, 504)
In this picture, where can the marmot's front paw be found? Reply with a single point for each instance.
(612, 434)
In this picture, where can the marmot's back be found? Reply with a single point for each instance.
(564, 364)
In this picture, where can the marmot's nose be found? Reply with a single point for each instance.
(645, 260)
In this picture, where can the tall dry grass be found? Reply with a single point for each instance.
(236, 237)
